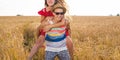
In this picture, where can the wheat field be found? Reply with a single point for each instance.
(94, 37)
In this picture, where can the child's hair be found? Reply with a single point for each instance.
(64, 4)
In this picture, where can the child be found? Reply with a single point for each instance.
(46, 14)
(55, 38)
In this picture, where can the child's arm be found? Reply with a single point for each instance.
(48, 27)
(62, 22)
(36, 46)
(44, 23)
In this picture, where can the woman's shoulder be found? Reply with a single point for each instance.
(66, 20)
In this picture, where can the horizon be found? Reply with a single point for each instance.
(77, 8)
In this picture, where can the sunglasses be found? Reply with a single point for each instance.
(59, 13)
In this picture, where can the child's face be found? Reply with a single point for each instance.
(58, 14)
(50, 2)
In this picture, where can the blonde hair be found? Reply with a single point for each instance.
(62, 3)
(67, 15)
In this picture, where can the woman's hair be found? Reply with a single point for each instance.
(62, 3)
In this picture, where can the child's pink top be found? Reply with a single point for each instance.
(45, 13)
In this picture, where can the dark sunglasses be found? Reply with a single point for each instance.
(61, 13)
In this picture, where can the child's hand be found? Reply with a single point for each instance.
(49, 18)
(46, 28)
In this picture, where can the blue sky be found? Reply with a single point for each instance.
(76, 7)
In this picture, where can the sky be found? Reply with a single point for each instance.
(76, 7)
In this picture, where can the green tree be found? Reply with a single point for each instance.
(118, 14)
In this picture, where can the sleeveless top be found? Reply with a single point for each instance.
(55, 39)
(56, 34)
(45, 13)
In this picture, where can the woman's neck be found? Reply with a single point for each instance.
(56, 20)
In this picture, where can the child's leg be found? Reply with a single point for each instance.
(38, 31)
(69, 44)
(37, 45)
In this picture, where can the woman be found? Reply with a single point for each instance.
(55, 38)
(46, 13)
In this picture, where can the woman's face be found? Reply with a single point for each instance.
(50, 2)
(58, 14)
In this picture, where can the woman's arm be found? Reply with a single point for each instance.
(68, 27)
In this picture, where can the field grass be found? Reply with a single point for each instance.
(94, 37)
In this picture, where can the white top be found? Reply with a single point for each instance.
(56, 46)
(59, 45)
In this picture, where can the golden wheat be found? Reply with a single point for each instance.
(94, 37)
